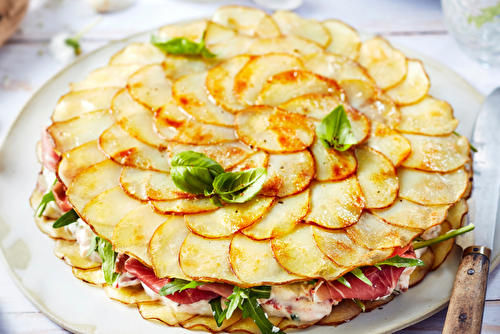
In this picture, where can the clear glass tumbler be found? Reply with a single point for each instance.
(475, 24)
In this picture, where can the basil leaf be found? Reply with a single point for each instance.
(241, 186)
(68, 218)
(446, 236)
(182, 46)
(344, 281)
(217, 311)
(334, 131)
(360, 304)
(400, 262)
(359, 274)
(178, 285)
(252, 309)
(194, 172)
(108, 257)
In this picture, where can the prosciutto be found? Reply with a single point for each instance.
(49, 156)
(60, 197)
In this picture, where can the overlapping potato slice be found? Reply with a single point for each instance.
(332, 165)
(165, 245)
(75, 104)
(256, 160)
(135, 119)
(206, 259)
(274, 129)
(408, 214)
(79, 130)
(252, 77)
(133, 233)
(388, 142)
(45, 225)
(93, 181)
(288, 174)
(247, 325)
(287, 85)
(372, 102)
(419, 273)
(119, 146)
(377, 178)
(373, 233)
(292, 24)
(69, 251)
(263, 269)
(345, 40)
(150, 86)
(338, 247)
(432, 188)
(385, 64)
(456, 214)
(345, 311)
(184, 206)
(226, 154)
(442, 249)
(217, 33)
(193, 31)
(208, 324)
(235, 46)
(138, 53)
(220, 82)
(76, 160)
(437, 154)
(161, 312)
(134, 181)
(128, 295)
(177, 66)
(430, 116)
(281, 217)
(292, 45)
(92, 276)
(335, 204)
(298, 254)
(229, 219)
(414, 87)
(335, 66)
(109, 76)
(247, 21)
(106, 210)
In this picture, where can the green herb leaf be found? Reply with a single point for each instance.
(472, 148)
(252, 309)
(108, 257)
(194, 172)
(344, 281)
(46, 199)
(182, 46)
(68, 218)
(334, 131)
(93, 245)
(360, 304)
(219, 314)
(75, 44)
(400, 262)
(359, 274)
(441, 238)
(178, 285)
(240, 187)
(260, 292)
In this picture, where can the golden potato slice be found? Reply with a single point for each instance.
(336, 67)
(79, 130)
(408, 214)
(161, 312)
(267, 28)
(274, 129)
(256, 160)
(285, 86)
(150, 86)
(437, 154)
(298, 254)
(121, 147)
(345, 40)
(207, 322)
(388, 142)
(335, 204)
(217, 33)
(76, 160)
(235, 46)
(345, 311)
(288, 323)
(161, 187)
(414, 87)
(384, 63)
(138, 53)
(247, 325)
(442, 249)
(470, 174)
(91, 276)
(372, 102)
(193, 30)
(372, 232)
(377, 178)
(419, 273)
(457, 213)
(133, 182)
(75, 104)
(132, 234)
(338, 246)
(184, 206)
(45, 225)
(135, 119)
(165, 245)
(263, 269)
(220, 82)
(246, 20)
(292, 24)
(229, 219)
(432, 188)
(292, 45)
(206, 259)
(177, 66)
(190, 94)
(430, 116)
(281, 217)
(288, 174)
(332, 165)
(109, 76)
(106, 210)
(252, 77)
(91, 182)
(171, 124)
(69, 251)
(127, 295)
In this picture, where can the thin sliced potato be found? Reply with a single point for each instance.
(177, 66)
(150, 86)
(246, 20)
(247, 325)
(217, 33)
(93, 276)
(292, 24)
(343, 312)
(161, 312)
(335, 205)
(45, 225)
(138, 53)
(128, 295)
(184, 206)
(414, 87)
(193, 31)
(332, 165)
(133, 182)
(161, 187)
(388, 142)
(235, 46)
(295, 324)
(345, 40)
(256, 160)
(267, 28)
(109, 76)
(292, 45)
(207, 322)
(371, 305)
(442, 249)
(336, 67)
(420, 272)
(457, 213)
(69, 251)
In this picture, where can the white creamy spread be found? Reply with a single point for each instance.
(404, 281)
(126, 279)
(431, 233)
(82, 233)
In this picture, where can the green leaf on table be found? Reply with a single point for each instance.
(75, 44)
(69, 217)
(334, 131)
(241, 186)
(178, 285)
(182, 46)
(108, 257)
(400, 262)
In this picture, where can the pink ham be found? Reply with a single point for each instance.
(49, 156)
(221, 289)
(60, 197)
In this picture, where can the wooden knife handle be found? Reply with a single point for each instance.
(465, 312)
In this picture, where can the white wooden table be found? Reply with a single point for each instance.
(25, 64)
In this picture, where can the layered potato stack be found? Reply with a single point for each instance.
(321, 212)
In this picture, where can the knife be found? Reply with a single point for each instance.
(465, 312)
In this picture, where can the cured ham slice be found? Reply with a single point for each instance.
(49, 156)
(60, 197)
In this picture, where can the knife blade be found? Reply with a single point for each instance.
(465, 312)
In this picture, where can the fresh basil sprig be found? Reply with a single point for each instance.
(400, 262)
(240, 187)
(68, 218)
(108, 257)
(182, 46)
(178, 285)
(334, 131)
(46, 199)
(441, 238)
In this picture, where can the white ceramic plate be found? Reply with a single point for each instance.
(80, 308)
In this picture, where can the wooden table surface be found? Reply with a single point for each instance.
(26, 63)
